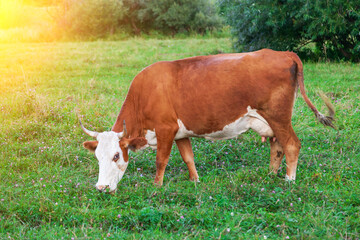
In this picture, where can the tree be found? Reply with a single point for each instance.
(96, 18)
(136, 15)
(183, 15)
(90, 18)
(334, 26)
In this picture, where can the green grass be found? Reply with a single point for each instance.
(47, 179)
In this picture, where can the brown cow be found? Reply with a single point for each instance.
(214, 97)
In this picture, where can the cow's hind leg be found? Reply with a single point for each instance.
(187, 155)
(292, 150)
(277, 112)
(291, 145)
(286, 143)
(165, 138)
(276, 155)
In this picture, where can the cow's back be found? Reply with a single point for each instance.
(221, 87)
(209, 92)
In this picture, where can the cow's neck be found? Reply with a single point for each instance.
(132, 121)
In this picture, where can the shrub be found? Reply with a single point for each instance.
(171, 16)
(291, 24)
(91, 17)
(100, 17)
(136, 16)
(184, 15)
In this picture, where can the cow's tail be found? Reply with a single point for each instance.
(325, 120)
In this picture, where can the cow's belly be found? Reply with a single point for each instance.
(251, 120)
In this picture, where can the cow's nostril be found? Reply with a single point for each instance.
(102, 188)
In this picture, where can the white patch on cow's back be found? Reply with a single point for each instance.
(251, 120)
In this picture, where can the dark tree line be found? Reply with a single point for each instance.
(319, 29)
(100, 17)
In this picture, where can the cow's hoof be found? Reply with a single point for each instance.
(158, 184)
(290, 179)
(195, 180)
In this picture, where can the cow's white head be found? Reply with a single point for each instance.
(111, 149)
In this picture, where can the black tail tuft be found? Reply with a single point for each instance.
(326, 120)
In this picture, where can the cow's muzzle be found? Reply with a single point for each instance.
(105, 189)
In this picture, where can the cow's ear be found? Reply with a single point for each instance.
(135, 144)
(90, 145)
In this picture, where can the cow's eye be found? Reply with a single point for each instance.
(116, 157)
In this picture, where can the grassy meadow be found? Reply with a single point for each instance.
(47, 179)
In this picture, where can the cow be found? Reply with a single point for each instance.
(213, 97)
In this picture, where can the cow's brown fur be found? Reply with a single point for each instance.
(210, 92)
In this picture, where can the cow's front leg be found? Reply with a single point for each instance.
(165, 138)
(276, 155)
(187, 155)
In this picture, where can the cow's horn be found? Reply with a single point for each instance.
(88, 132)
(124, 128)
(124, 132)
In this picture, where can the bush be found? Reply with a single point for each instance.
(91, 17)
(184, 15)
(137, 17)
(292, 24)
(96, 18)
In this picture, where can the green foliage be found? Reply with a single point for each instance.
(91, 17)
(184, 15)
(110, 19)
(136, 16)
(101, 17)
(172, 16)
(289, 25)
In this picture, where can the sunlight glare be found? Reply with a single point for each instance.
(10, 10)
